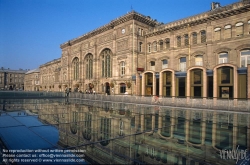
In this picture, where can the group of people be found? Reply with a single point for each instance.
(90, 91)
(67, 91)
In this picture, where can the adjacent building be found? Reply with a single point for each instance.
(205, 55)
(12, 79)
(31, 80)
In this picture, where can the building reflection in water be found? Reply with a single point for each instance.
(119, 133)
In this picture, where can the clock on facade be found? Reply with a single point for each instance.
(123, 31)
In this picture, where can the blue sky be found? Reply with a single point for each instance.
(31, 31)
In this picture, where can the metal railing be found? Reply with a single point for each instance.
(235, 104)
(232, 104)
(33, 94)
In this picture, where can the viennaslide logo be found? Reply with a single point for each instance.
(242, 157)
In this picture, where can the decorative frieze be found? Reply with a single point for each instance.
(105, 38)
(122, 45)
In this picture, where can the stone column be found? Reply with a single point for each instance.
(173, 86)
(235, 77)
(138, 82)
(204, 86)
(160, 83)
(188, 85)
(154, 84)
(215, 92)
(143, 85)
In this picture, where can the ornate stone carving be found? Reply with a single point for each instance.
(105, 38)
(122, 45)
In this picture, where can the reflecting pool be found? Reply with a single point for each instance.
(122, 133)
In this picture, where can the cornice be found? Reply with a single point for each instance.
(206, 17)
(130, 16)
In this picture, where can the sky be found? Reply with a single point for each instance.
(31, 31)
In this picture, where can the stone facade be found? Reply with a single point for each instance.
(31, 80)
(51, 76)
(205, 55)
(12, 79)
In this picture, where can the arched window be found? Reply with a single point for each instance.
(227, 31)
(89, 66)
(203, 36)
(178, 41)
(149, 47)
(140, 46)
(161, 44)
(167, 43)
(194, 38)
(155, 46)
(122, 68)
(223, 58)
(244, 58)
(217, 33)
(186, 38)
(239, 29)
(75, 68)
(106, 63)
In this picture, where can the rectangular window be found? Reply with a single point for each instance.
(182, 64)
(194, 38)
(245, 58)
(203, 36)
(225, 75)
(198, 60)
(239, 30)
(167, 43)
(164, 64)
(140, 47)
(152, 65)
(197, 77)
(178, 41)
(217, 34)
(161, 45)
(227, 33)
(186, 40)
(223, 58)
